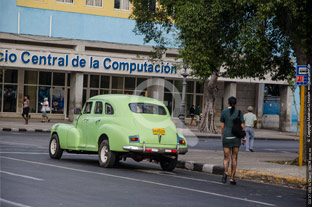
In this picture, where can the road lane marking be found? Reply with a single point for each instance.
(19, 175)
(177, 176)
(141, 181)
(26, 153)
(12, 203)
(29, 145)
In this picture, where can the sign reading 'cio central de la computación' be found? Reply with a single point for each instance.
(84, 62)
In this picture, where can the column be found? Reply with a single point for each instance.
(76, 90)
(155, 88)
(229, 90)
(285, 108)
(259, 103)
(20, 91)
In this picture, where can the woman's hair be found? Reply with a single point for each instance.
(232, 102)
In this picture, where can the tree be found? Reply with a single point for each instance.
(239, 38)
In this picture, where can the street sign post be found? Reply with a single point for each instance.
(302, 79)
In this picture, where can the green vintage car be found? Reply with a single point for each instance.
(120, 126)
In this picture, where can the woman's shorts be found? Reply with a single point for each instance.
(44, 114)
(25, 111)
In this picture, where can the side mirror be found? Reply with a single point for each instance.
(77, 111)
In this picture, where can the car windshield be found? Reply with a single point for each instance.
(147, 108)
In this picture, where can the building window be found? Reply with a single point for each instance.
(96, 3)
(8, 90)
(40, 85)
(66, 1)
(121, 4)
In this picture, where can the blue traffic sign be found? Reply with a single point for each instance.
(302, 75)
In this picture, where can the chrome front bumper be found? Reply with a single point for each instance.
(157, 150)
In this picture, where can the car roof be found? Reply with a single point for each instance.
(126, 98)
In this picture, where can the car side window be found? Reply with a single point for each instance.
(109, 109)
(88, 107)
(98, 107)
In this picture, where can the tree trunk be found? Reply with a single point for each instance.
(207, 124)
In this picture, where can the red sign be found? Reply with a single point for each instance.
(299, 78)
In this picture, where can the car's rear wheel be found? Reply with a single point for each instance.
(55, 150)
(168, 164)
(107, 158)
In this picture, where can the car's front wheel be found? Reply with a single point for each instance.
(55, 150)
(168, 164)
(107, 158)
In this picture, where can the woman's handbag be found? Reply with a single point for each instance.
(237, 129)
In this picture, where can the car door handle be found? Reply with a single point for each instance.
(86, 119)
(97, 121)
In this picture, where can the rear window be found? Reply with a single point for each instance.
(147, 108)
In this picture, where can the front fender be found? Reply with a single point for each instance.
(68, 135)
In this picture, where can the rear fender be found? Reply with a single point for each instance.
(117, 136)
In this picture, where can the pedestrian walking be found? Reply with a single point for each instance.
(45, 109)
(197, 114)
(192, 114)
(26, 105)
(250, 122)
(230, 143)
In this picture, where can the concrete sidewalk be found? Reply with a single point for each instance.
(34, 125)
(251, 165)
(264, 134)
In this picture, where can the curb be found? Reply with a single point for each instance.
(208, 168)
(24, 130)
(262, 177)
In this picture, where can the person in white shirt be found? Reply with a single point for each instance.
(250, 122)
(45, 108)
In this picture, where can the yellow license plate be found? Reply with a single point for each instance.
(157, 131)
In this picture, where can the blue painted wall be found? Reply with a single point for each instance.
(68, 25)
(293, 110)
(271, 108)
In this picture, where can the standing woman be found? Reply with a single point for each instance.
(45, 108)
(230, 143)
(26, 105)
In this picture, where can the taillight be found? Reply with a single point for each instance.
(181, 141)
(134, 139)
(173, 151)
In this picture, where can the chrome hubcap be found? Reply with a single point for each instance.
(53, 146)
(104, 152)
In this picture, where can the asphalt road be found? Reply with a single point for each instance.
(259, 145)
(30, 178)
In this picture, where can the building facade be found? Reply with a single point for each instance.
(71, 50)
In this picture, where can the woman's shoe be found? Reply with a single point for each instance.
(232, 182)
(224, 177)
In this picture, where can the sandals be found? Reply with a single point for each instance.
(232, 182)
(224, 178)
